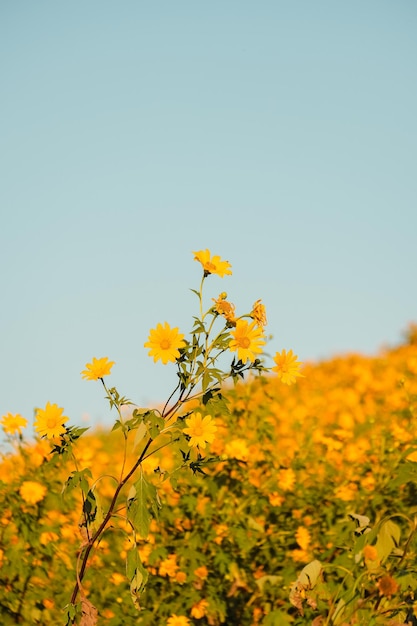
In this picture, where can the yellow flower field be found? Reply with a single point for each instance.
(252, 496)
(295, 462)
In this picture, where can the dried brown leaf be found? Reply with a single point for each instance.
(89, 613)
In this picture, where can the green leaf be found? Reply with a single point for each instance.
(267, 579)
(198, 327)
(140, 434)
(388, 538)
(138, 506)
(90, 507)
(154, 422)
(407, 472)
(309, 575)
(78, 479)
(136, 574)
(277, 617)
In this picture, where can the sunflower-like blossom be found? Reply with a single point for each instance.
(247, 340)
(201, 430)
(287, 367)
(164, 343)
(32, 491)
(169, 566)
(49, 422)
(212, 264)
(13, 424)
(98, 368)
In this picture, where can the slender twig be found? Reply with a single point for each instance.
(105, 521)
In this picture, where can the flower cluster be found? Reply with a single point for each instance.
(344, 435)
(180, 435)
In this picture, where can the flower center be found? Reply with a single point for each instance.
(165, 344)
(209, 267)
(51, 422)
(244, 342)
(198, 431)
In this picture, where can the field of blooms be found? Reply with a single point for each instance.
(275, 504)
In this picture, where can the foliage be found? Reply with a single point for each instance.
(300, 507)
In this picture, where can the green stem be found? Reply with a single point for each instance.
(105, 521)
(121, 421)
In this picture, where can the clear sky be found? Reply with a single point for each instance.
(280, 135)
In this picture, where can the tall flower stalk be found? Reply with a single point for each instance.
(185, 420)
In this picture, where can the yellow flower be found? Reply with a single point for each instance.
(259, 313)
(199, 610)
(164, 343)
(286, 479)
(247, 340)
(200, 429)
(32, 491)
(201, 572)
(301, 556)
(212, 265)
(303, 537)
(225, 308)
(97, 368)
(237, 449)
(48, 537)
(50, 421)
(370, 553)
(181, 577)
(178, 620)
(275, 498)
(13, 424)
(48, 603)
(117, 579)
(169, 566)
(287, 366)
(346, 492)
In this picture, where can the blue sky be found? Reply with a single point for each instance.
(280, 135)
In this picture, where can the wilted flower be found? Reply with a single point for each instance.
(387, 585)
(259, 313)
(225, 308)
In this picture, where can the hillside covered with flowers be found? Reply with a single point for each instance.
(254, 495)
(302, 513)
